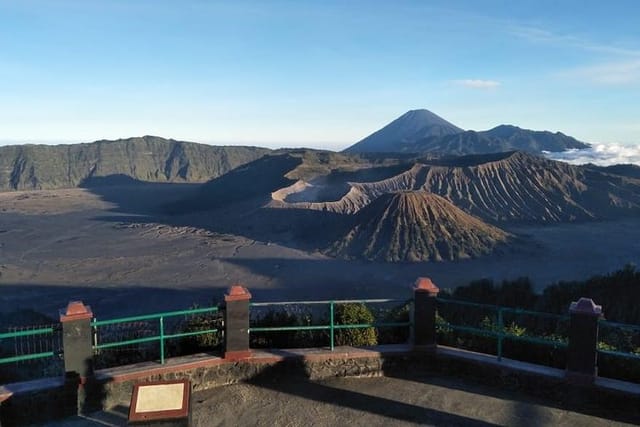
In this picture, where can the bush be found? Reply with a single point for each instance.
(354, 313)
(202, 342)
(286, 339)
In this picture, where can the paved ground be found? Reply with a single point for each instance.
(363, 402)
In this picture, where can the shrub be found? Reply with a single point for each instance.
(202, 322)
(354, 313)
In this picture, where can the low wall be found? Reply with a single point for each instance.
(48, 399)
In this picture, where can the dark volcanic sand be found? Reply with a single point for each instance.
(111, 249)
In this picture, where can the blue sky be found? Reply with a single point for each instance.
(322, 74)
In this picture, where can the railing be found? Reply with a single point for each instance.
(332, 326)
(627, 346)
(161, 336)
(514, 331)
(34, 344)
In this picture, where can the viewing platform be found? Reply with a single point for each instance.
(421, 381)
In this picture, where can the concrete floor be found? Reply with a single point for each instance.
(380, 401)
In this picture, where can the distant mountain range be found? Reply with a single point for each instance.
(148, 158)
(390, 207)
(423, 132)
(408, 210)
(499, 187)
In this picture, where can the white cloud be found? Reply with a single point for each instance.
(611, 73)
(600, 154)
(478, 84)
(538, 35)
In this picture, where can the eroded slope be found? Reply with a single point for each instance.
(417, 226)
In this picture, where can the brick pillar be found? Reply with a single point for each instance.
(583, 341)
(424, 314)
(76, 339)
(236, 323)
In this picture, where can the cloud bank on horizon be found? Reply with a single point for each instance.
(600, 154)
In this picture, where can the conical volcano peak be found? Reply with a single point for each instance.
(404, 131)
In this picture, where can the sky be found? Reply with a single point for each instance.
(320, 74)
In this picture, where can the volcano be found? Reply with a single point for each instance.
(406, 130)
(414, 226)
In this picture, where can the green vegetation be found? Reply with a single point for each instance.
(286, 339)
(202, 322)
(617, 292)
(344, 314)
(354, 314)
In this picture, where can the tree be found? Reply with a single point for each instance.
(353, 314)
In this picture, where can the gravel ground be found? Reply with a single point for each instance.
(366, 402)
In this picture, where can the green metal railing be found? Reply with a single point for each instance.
(332, 326)
(630, 354)
(499, 332)
(161, 337)
(50, 330)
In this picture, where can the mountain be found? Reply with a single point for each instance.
(516, 138)
(422, 132)
(499, 139)
(148, 158)
(496, 187)
(404, 131)
(624, 169)
(417, 226)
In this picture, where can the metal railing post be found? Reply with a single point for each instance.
(331, 324)
(500, 333)
(161, 319)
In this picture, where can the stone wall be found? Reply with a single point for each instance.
(51, 399)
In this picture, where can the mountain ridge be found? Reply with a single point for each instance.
(505, 187)
(148, 158)
(437, 136)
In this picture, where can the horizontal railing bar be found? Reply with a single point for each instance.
(27, 357)
(619, 325)
(345, 301)
(494, 334)
(128, 342)
(468, 303)
(16, 334)
(536, 340)
(534, 313)
(190, 334)
(371, 325)
(289, 328)
(620, 353)
(153, 316)
(504, 309)
(324, 327)
(474, 331)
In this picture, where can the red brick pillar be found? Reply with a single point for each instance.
(583, 340)
(236, 323)
(76, 339)
(424, 314)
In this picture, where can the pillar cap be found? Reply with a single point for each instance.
(76, 310)
(585, 306)
(424, 284)
(237, 292)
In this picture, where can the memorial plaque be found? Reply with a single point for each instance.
(160, 403)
